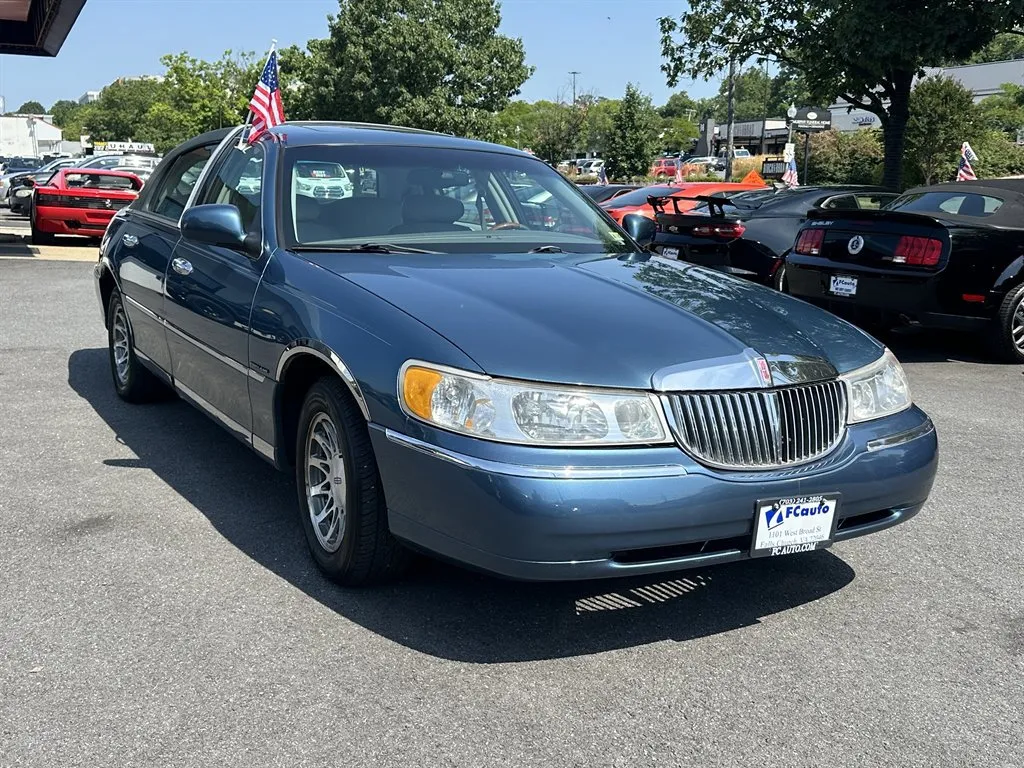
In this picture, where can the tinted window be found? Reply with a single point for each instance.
(639, 196)
(175, 186)
(840, 203)
(955, 203)
(99, 181)
(448, 200)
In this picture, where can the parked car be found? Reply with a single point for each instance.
(639, 201)
(80, 202)
(322, 180)
(601, 192)
(592, 168)
(663, 168)
(22, 188)
(948, 256)
(114, 161)
(510, 396)
(14, 168)
(748, 234)
(8, 182)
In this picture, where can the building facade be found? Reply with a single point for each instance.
(29, 136)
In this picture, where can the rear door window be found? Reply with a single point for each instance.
(175, 186)
(954, 203)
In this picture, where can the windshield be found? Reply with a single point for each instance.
(86, 180)
(447, 200)
(639, 196)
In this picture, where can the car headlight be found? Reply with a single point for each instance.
(876, 390)
(528, 413)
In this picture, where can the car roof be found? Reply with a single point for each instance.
(981, 185)
(311, 133)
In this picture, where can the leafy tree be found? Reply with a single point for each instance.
(676, 134)
(120, 112)
(1007, 45)
(632, 142)
(753, 96)
(680, 104)
(515, 125)
(1003, 111)
(432, 64)
(942, 117)
(998, 155)
(866, 51)
(556, 130)
(843, 158)
(31, 108)
(598, 123)
(64, 111)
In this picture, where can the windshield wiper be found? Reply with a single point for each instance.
(546, 249)
(364, 248)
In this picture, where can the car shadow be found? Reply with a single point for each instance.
(921, 345)
(440, 609)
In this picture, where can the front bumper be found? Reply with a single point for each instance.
(551, 515)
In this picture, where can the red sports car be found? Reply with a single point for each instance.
(80, 201)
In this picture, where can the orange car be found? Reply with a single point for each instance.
(636, 201)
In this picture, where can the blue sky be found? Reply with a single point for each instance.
(611, 42)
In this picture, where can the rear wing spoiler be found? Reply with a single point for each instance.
(869, 217)
(716, 204)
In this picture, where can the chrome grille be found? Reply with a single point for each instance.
(760, 429)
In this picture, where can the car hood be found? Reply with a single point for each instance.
(612, 322)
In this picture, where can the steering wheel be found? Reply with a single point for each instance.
(509, 225)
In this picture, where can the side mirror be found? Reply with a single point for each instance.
(28, 181)
(217, 224)
(640, 228)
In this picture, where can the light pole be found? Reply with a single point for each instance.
(730, 117)
(574, 73)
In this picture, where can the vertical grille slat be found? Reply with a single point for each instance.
(765, 428)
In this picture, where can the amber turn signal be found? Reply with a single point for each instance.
(418, 388)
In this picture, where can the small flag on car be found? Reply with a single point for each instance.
(965, 171)
(265, 107)
(790, 178)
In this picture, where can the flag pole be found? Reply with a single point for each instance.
(242, 143)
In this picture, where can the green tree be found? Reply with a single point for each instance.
(31, 108)
(676, 134)
(598, 123)
(556, 130)
(753, 96)
(1003, 111)
(942, 117)
(120, 112)
(843, 158)
(866, 51)
(1007, 45)
(632, 142)
(432, 64)
(64, 111)
(680, 104)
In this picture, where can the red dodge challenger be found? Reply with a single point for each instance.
(78, 201)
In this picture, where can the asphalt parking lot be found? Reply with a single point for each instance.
(158, 605)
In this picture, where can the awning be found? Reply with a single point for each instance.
(36, 27)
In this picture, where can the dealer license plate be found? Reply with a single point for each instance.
(843, 285)
(795, 524)
(670, 253)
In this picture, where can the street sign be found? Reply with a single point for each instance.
(773, 167)
(812, 119)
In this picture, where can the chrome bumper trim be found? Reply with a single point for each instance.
(533, 471)
(891, 441)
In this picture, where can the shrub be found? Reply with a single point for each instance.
(842, 158)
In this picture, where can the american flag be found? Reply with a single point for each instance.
(790, 178)
(964, 171)
(266, 106)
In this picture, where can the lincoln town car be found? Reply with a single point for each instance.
(522, 389)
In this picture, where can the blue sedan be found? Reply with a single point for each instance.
(517, 387)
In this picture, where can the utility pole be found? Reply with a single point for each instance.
(574, 73)
(730, 117)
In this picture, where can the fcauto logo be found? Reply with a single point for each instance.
(856, 245)
(783, 510)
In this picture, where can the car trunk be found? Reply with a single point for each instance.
(871, 240)
(699, 238)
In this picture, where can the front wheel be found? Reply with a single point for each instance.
(341, 501)
(1009, 341)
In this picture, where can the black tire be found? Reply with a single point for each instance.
(1010, 321)
(136, 385)
(366, 552)
(40, 238)
(779, 281)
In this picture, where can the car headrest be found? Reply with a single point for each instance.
(431, 208)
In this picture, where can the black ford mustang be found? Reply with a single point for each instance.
(946, 256)
(749, 233)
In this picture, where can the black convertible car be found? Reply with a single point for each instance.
(749, 233)
(945, 256)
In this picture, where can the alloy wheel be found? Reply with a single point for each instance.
(1017, 325)
(120, 339)
(326, 482)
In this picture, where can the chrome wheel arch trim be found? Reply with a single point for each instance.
(326, 354)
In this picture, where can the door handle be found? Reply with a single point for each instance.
(181, 266)
(130, 241)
